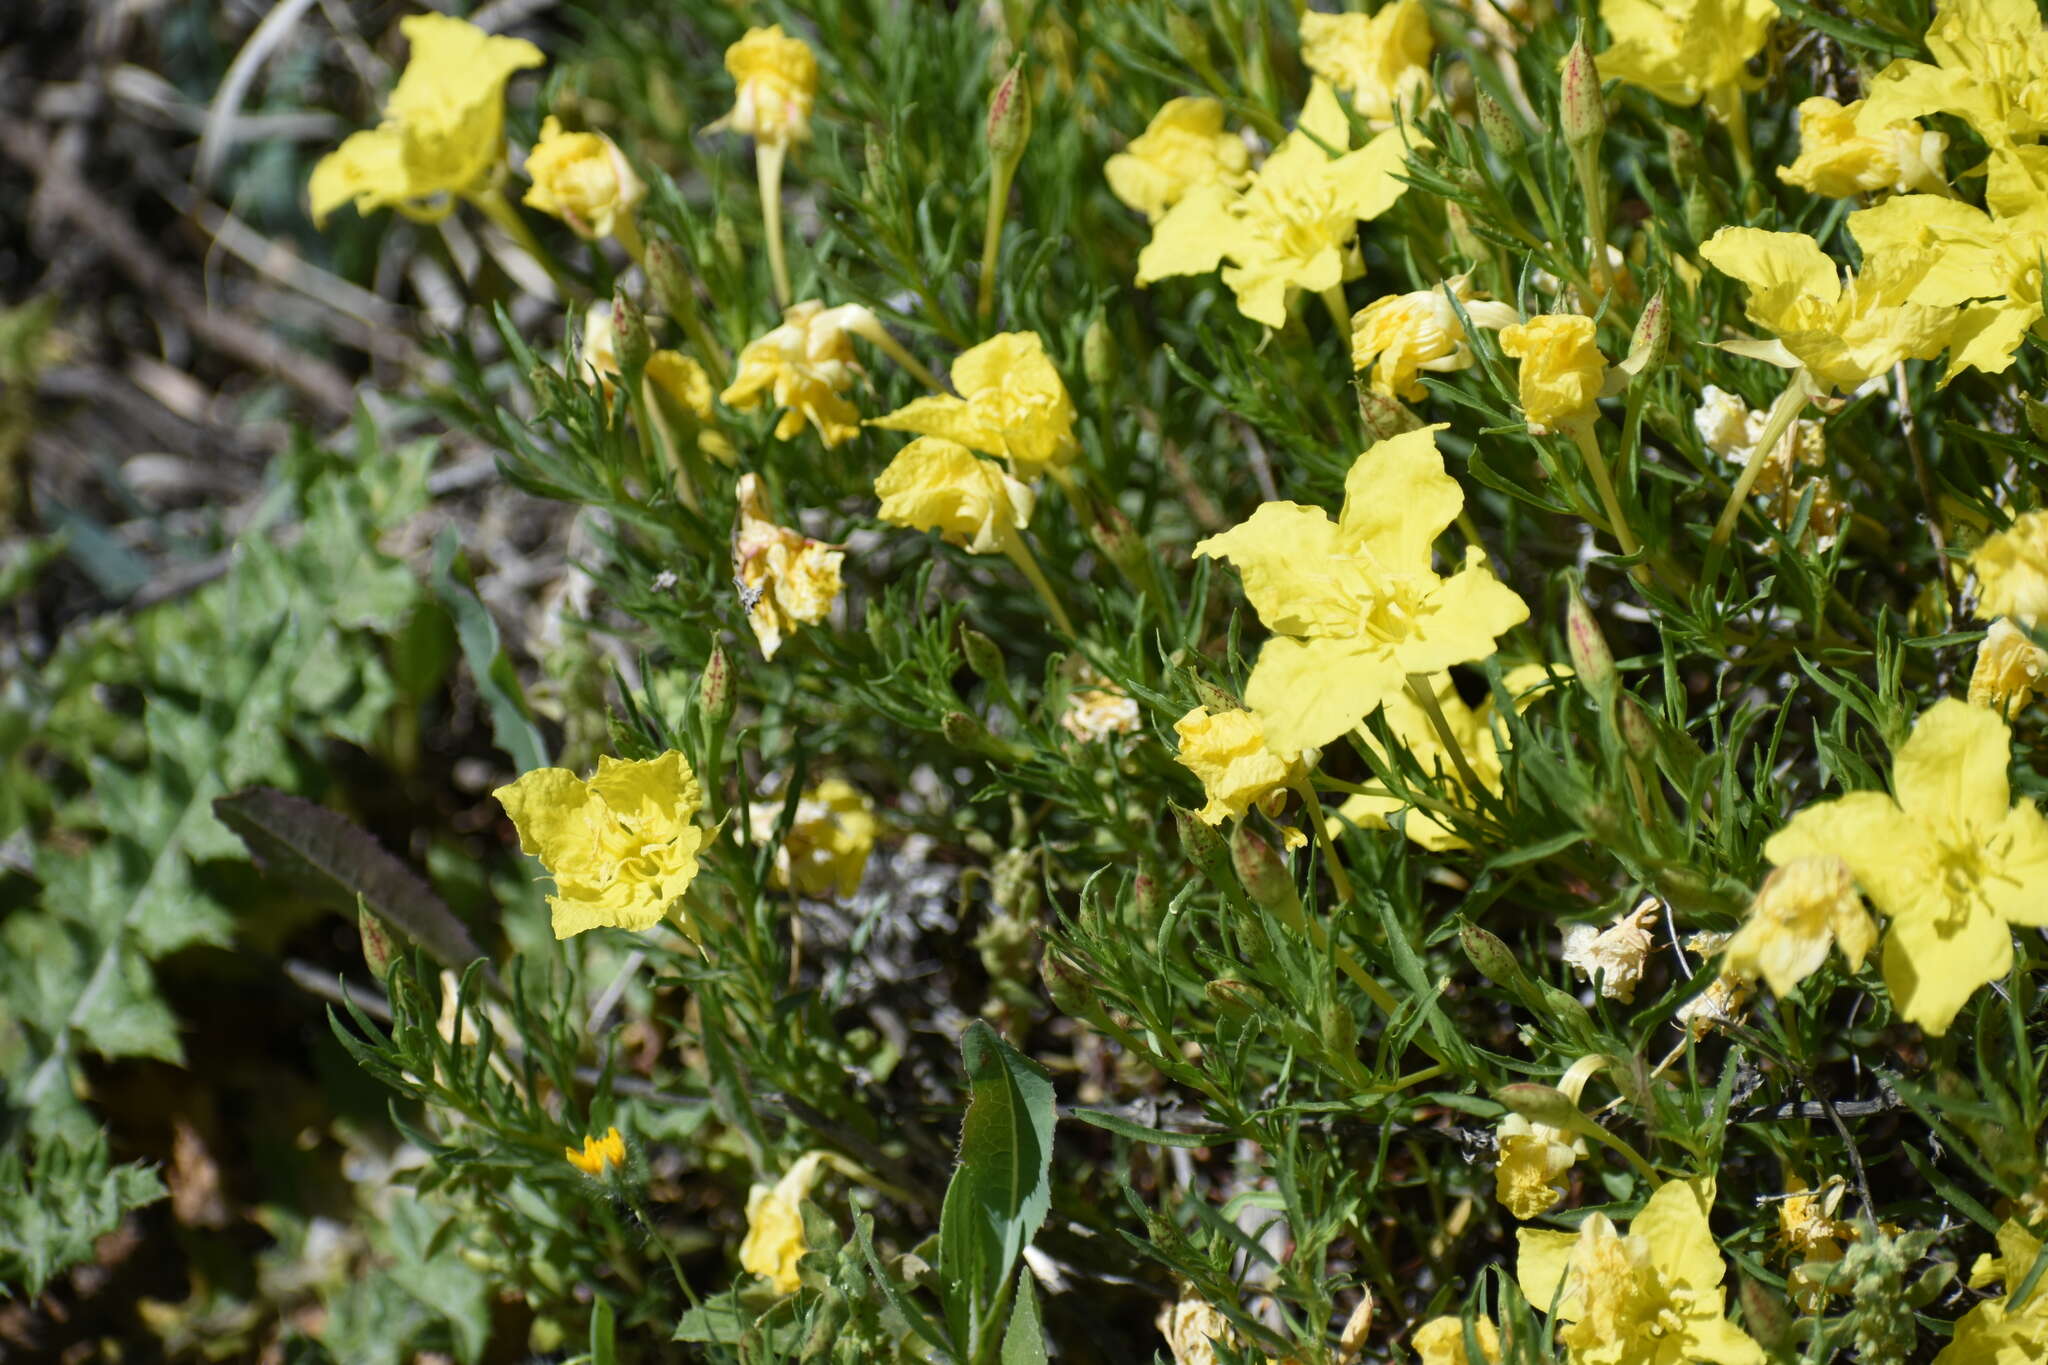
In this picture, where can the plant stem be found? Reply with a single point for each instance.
(999, 178)
(1314, 808)
(1582, 435)
(1789, 404)
(490, 201)
(1420, 688)
(768, 170)
(1019, 551)
(1340, 312)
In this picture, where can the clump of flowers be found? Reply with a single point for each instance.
(1012, 405)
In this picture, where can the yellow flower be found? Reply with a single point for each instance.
(1184, 146)
(2009, 670)
(1528, 1175)
(775, 1225)
(2012, 570)
(935, 484)
(1441, 1341)
(1192, 1326)
(1812, 1237)
(1951, 861)
(1842, 333)
(1402, 335)
(443, 132)
(1229, 752)
(621, 846)
(1802, 909)
(805, 364)
(1561, 370)
(786, 578)
(1012, 405)
(1293, 225)
(600, 345)
(582, 179)
(1995, 1332)
(1988, 59)
(1684, 50)
(828, 843)
(599, 1154)
(777, 80)
(1731, 428)
(679, 379)
(1380, 60)
(1356, 605)
(1841, 154)
(1614, 956)
(1651, 1296)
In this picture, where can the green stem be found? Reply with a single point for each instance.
(1581, 432)
(768, 171)
(1314, 808)
(1788, 406)
(491, 202)
(999, 179)
(1019, 551)
(1420, 688)
(1340, 312)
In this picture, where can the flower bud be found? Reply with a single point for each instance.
(984, 657)
(380, 950)
(1684, 152)
(1584, 112)
(1236, 998)
(1702, 218)
(1009, 118)
(1189, 38)
(1545, 1104)
(668, 276)
(1069, 989)
(1592, 660)
(726, 238)
(1118, 539)
(1214, 698)
(1638, 731)
(963, 731)
(1565, 1011)
(1385, 417)
(1148, 898)
(1338, 1028)
(630, 335)
(1764, 1313)
(714, 689)
(1469, 243)
(1652, 339)
(1248, 933)
(1502, 129)
(1098, 359)
(1204, 847)
(2037, 418)
(1490, 956)
(1266, 878)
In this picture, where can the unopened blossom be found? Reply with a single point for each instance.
(1355, 605)
(1183, 147)
(805, 366)
(935, 484)
(1841, 154)
(1381, 60)
(1683, 51)
(2009, 670)
(1441, 1341)
(775, 1225)
(1995, 1332)
(1293, 225)
(1229, 752)
(786, 579)
(1803, 908)
(600, 346)
(830, 837)
(775, 81)
(2012, 570)
(1401, 335)
(443, 132)
(1561, 371)
(1614, 956)
(1648, 1296)
(582, 179)
(599, 1154)
(1988, 59)
(1093, 714)
(1012, 404)
(1951, 860)
(621, 845)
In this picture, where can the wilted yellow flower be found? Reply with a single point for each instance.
(786, 578)
(1812, 1237)
(1988, 59)
(584, 180)
(1722, 1002)
(1802, 908)
(2012, 570)
(775, 1225)
(1951, 861)
(1380, 60)
(1293, 225)
(1995, 1332)
(1561, 369)
(777, 79)
(1682, 51)
(443, 132)
(1093, 714)
(935, 484)
(599, 1154)
(829, 840)
(1441, 1341)
(806, 364)
(1184, 146)
(1239, 770)
(1192, 1326)
(600, 345)
(1356, 605)
(1614, 956)
(1651, 1296)
(1731, 429)
(1841, 155)
(621, 846)
(1534, 1157)
(1402, 335)
(1012, 404)
(2009, 670)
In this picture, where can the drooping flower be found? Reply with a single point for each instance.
(1561, 369)
(2009, 670)
(2012, 570)
(775, 1225)
(443, 131)
(1683, 51)
(1192, 1326)
(935, 484)
(1650, 1296)
(1356, 605)
(1401, 335)
(1441, 1341)
(599, 1154)
(1012, 404)
(829, 840)
(806, 365)
(1841, 153)
(1726, 994)
(1292, 226)
(1803, 908)
(1614, 956)
(786, 579)
(1239, 770)
(1950, 860)
(1996, 1332)
(584, 180)
(776, 80)
(1534, 1157)
(1182, 148)
(1988, 59)
(621, 845)
(1380, 60)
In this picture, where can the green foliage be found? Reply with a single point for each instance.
(54, 1208)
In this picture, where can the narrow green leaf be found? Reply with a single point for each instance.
(517, 736)
(1138, 1132)
(1024, 1339)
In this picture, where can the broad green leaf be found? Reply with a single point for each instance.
(1024, 1339)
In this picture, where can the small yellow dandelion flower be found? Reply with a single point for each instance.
(1614, 956)
(2012, 570)
(1013, 405)
(829, 840)
(2009, 670)
(1839, 156)
(786, 579)
(582, 179)
(599, 1154)
(806, 365)
(935, 484)
(775, 1225)
(776, 80)
(443, 132)
(1183, 147)
(621, 845)
(1803, 908)
(1441, 1341)
(1401, 335)
(1561, 370)
(1380, 60)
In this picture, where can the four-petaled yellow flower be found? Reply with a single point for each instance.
(1561, 371)
(806, 364)
(1952, 862)
(776, 80)
(786, 578)
(1012, 404)
(621, 846)
(1650, 1296)
(1356, 606)
(584, 180)
(1401, 335)
(935, 484)
(2012, 570)
(1182, 147)
(1996, 1332)
(1293, 225)
(443, 132)
(829, 840)
(1843, 153)
(1802, 908)
(1683, 51)
(775, 1225)
(1380, 60)
(1988, 60)
(2009, 670)
(599, 1154)
(1228, 751)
